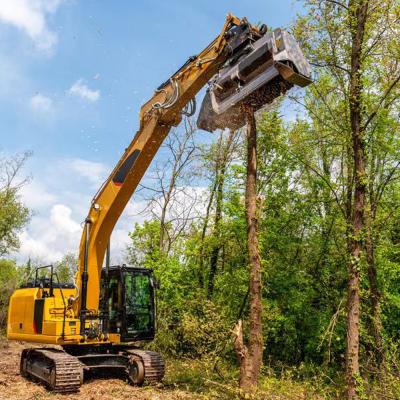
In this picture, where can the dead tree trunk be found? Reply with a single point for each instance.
(358, 15)
(250, 356)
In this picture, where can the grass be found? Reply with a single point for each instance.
(206, 380)
(200, 379)
(219, 381)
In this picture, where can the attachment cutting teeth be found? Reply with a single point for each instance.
(261, 71)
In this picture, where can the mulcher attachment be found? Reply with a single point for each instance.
(256, 73)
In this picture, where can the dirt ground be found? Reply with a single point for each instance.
(14, 387)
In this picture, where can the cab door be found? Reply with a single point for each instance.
(139, 306)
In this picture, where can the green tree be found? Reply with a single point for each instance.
(9, 279)
(66, 268)
(352, 43)
(13, 214)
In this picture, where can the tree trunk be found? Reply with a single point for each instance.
(203, 234)
(217, 233)
(358, 15)
(167, 198)
(163, 224)
(208, 212)
(223, 158)
(250, 356)
(375, 295)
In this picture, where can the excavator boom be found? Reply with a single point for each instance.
(157, 116)
(245, 64)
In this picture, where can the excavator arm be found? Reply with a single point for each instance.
(163, 111)
(245, 64)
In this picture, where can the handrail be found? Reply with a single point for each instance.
(65, 306)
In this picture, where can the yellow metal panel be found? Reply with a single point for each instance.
(44, 338)
(21, 316)
(55, 327)
(20, 311)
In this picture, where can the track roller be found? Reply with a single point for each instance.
(152, 363)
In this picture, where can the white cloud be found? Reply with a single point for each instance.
(60, 215)
(80, 89)
(30, 16)
(41, 103)
(50, 236)
(60, 195)
(95, 172)
(60, 202)
(36, 196)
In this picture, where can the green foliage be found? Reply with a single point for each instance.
(66, 268)
(9, 278)
(13, 216)
(185, 326)
(204, 378)
(302, 236)
(202, 330)
(144, 250)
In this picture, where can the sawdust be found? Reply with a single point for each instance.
(14, 387)
(234, 117)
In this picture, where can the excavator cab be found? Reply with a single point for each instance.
(128, 302)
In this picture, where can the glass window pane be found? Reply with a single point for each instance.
(138, 302)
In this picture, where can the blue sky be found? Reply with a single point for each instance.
(73, 77)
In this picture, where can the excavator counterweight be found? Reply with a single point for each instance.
(265, 68)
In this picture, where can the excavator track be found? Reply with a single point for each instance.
(59, 371)
(154, 368)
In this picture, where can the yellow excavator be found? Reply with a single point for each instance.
(98, 322)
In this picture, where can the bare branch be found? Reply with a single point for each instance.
(338, 3)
